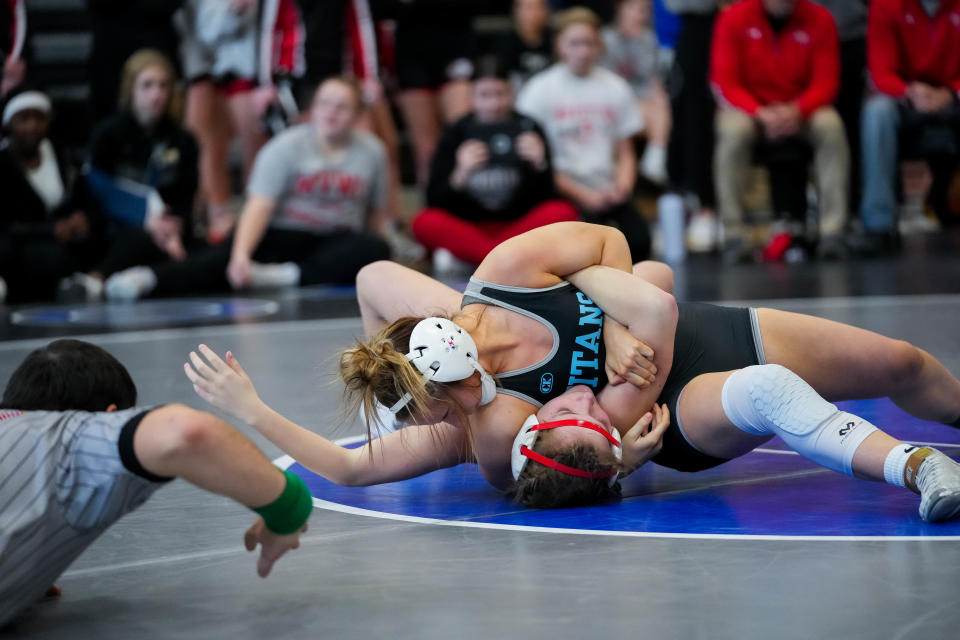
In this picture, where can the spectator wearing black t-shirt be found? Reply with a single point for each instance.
(491, 177)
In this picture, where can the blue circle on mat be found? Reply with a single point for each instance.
(145, 313)
(769, 492)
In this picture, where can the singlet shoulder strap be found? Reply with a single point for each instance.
(482, 292)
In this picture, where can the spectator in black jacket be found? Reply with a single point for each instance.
(143, 170)
(491, 177)
(120, 28)
(47, 227)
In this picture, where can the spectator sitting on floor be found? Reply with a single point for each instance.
(527, 49)
(143, 172)
(632, 52)
(775, 69)
(491, 177)
(590, 117)
(913, 52)
(315, 209)
(46, 228)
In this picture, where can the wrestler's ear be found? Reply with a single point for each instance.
(111, 408)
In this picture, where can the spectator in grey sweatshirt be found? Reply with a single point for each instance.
(315, 209)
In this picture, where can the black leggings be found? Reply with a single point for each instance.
(691, 143)
(853, 82)
(330, 258)
(129, 247)
(33, 267)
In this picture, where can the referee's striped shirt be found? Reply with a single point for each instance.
(62, 482)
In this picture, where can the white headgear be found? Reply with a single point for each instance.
(523, 444)
(23, 101)
(444, 352)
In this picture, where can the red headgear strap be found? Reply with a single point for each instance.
(593, 426)
(562, 468)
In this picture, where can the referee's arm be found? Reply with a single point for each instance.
(177, 441)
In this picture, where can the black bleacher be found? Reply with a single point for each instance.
(57, 49)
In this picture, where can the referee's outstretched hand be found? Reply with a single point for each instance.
(272, 546)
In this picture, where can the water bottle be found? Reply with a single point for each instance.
(671, 215)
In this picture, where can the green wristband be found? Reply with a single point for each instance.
(288, 513)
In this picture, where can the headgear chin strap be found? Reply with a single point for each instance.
(444, 352)
(523, 452)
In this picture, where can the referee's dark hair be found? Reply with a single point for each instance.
(69, 375)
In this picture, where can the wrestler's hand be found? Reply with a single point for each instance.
(272, 546)
(628, 359)
(225, 385)
(644, 440)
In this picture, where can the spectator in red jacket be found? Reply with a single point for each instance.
(913, 51)
(775, 69)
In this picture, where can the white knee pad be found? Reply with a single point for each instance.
(771, 399)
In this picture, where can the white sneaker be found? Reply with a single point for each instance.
(653, 164)
(938, 479)
(130, 284)
(914, 220)
(272, 276)
(80, 286)
(447, 264)
(702, 233)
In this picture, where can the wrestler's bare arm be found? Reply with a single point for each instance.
(388, 291)
(396, 456)
(542, 257)
(650, 314)
(546, 255)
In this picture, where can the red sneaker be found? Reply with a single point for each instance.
(777, 247)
